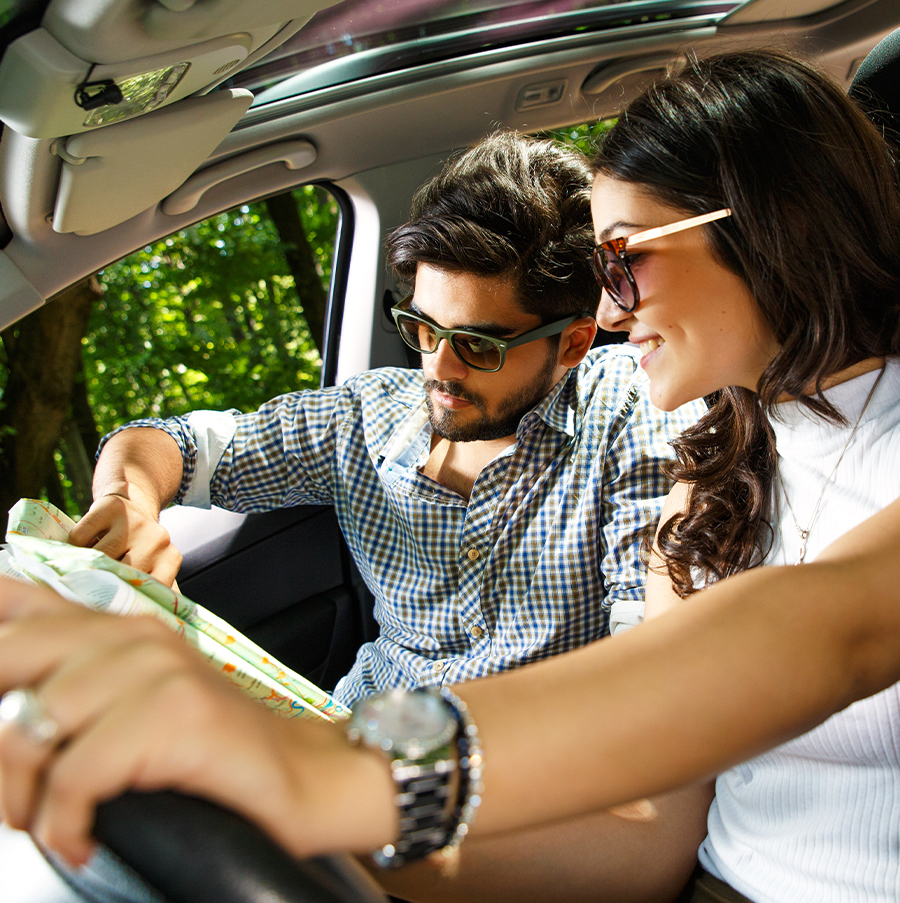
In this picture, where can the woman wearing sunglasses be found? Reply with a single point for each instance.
(748, 222)
(748, 231)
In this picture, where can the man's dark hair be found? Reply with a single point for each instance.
(513, 207)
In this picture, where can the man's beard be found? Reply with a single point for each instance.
(509, 413)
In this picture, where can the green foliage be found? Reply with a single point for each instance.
(206, 318)
(587, 137)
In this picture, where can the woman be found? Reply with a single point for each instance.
(788, 290)
(790, 298)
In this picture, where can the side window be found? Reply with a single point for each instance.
(226, 313)
(587, 137)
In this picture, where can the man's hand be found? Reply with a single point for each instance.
(130, 533)
(137, 475)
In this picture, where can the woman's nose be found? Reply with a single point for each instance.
(611, 317)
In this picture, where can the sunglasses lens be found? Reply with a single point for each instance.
(480, 352)
(613, 275)
(416, 334)
(477, 351)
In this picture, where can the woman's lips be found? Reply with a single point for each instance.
(648, 347)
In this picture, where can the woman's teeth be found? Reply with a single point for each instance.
(651, 345)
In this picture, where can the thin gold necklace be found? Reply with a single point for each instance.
(804, 533)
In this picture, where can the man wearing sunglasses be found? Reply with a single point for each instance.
(495, 500)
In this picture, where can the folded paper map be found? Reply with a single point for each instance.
(37, 551)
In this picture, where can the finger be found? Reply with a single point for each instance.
(31, 648)
(22, 762)
(147, 740)
(95, 523)
(131, 654)
(141, 544)
(84, 686)
(19, 600)
(109, 525)
(163, 564)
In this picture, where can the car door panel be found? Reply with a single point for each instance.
(284, 578)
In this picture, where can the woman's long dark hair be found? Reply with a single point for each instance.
(815, 235)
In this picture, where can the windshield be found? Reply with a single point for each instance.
(360, 38)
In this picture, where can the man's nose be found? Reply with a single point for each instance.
(445, 365)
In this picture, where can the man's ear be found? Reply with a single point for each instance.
(576, 340)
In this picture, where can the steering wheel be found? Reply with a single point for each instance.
(193, 851)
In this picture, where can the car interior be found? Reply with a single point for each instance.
(126, 121)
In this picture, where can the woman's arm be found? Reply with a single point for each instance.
(596, 858)
(680, 698)
(697, 689)
(659, 594)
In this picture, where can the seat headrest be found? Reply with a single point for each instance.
(876, 85)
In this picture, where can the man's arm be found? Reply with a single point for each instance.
(138, 473)
(635, 488)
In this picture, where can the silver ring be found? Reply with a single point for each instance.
(23, 709)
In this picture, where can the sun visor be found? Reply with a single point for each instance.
(114, 173)
(106, 31)
(93, 63)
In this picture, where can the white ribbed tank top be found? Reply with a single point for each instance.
(818, 819)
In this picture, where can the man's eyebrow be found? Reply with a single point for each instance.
(488, 328)
(606, 234)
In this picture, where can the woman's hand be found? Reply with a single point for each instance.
(138, 709)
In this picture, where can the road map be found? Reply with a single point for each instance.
(37, 551)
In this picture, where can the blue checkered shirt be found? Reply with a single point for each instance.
(545, 556)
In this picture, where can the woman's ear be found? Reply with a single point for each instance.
(576, 340)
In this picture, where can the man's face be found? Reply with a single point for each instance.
(468, 405)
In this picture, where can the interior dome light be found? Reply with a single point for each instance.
(139, 93)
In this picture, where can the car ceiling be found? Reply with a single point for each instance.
(75, 197)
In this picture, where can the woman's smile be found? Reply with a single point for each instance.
(697, 325)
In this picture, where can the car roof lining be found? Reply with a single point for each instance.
(426, 117)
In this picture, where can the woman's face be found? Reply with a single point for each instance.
(697, 325)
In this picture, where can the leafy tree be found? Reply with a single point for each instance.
(226, 313)
(206, 318)
(41, 359)
(587, 137)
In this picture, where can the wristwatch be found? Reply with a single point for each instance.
(418, 731)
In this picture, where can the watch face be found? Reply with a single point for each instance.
(411, 724)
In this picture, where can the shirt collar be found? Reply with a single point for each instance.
(558, 408)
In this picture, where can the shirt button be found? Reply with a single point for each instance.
(473, 554)
(438, 666)
(476, 631)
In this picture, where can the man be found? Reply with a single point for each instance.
(496, 501)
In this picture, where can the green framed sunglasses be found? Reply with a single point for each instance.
(474, 349)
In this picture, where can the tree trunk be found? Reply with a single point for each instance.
(313, 299)
(79, 466)
(44, 358)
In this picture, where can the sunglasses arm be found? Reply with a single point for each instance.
(542, 332)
